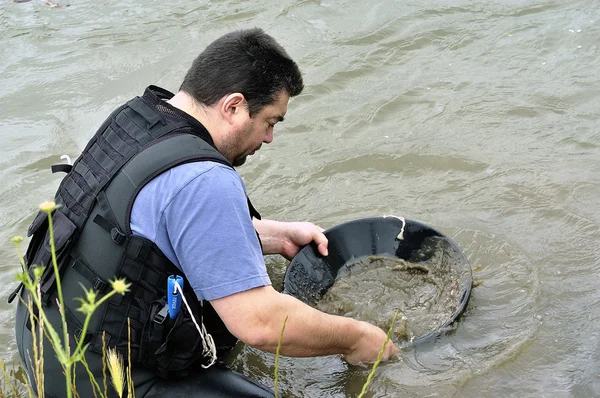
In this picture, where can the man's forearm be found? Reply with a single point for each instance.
(259, 319)
(256, 317)
(271, 235)
(308, 332)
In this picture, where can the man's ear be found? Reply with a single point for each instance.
(233, 106)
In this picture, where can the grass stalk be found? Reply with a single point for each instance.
(61, 303)
(95, 386)
(379, 356)
(30, 278)
(44, 327)
(39, 351)
(277, 355)
(130, 389)
(34, 361)
(7, 381)
(104, 361)
(89, 312)
(28, 387)
(20, 254)
(37, 346)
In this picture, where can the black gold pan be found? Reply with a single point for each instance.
(310, 274)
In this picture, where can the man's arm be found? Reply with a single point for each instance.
(256, 317)
(286, 238)
(197, 206)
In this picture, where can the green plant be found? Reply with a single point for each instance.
(89, 304)
(9, 386)
(372, 373)
(277, 357)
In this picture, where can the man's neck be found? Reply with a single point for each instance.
(186, 103)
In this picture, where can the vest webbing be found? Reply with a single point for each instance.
(142, 263)
(94, 242)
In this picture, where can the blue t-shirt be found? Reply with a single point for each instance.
(197, 214)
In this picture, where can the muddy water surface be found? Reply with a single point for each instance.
(424, 291)
(479, 118)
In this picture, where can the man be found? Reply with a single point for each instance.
(153, 194)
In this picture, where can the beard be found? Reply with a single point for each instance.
(240, 160)
(233, 148)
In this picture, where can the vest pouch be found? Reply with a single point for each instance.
(170, 347)
(39, 251)
(37, 230)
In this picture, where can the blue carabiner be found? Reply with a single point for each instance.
(173, 296)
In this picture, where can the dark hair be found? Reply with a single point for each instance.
(245, 61)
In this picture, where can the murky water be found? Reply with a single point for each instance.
(421, 294)
(478, 118)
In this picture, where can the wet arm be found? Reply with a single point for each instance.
(256, 317)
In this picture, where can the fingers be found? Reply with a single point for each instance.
(360, 359)
(320, 240)
(391, 350)
(299, 234)
(323, 249)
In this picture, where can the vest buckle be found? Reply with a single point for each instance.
(99, 285)
(161, 315)
(117, 236)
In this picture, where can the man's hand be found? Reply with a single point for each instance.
(298, 234)
(366, 350)
(286, 238)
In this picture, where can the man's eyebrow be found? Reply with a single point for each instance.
(279, 118)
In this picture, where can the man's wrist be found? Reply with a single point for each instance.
(356, 332)
(271, 234)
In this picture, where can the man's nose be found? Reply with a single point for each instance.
(269, 137)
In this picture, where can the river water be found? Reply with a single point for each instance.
(478, 118)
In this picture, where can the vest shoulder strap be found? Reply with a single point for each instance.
(158, 157)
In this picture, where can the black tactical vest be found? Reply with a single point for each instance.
(94, 243)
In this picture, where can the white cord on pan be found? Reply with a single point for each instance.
(401, 234)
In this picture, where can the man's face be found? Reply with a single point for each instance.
(253, 131)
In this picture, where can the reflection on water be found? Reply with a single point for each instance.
(478, 118)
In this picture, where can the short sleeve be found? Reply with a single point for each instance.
(206, 229)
